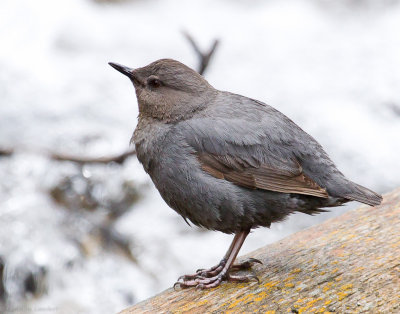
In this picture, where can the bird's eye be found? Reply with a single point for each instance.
(154, 81)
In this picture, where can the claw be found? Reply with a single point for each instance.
(255, 278)
(177, 284)
(187, 277)
(254, 260)
(245, 264)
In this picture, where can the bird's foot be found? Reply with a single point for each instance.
(210, 278)
(215, 270)
(204, 273)
(212, 282)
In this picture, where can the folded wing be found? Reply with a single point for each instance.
(248, 157)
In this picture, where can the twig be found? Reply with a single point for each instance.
(203, 56)
(395, 108)
(119, 159)
(112, 237)
(6, 152)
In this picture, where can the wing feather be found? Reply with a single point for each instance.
(238, 171)
(258, 156)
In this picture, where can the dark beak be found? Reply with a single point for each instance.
(123, 69)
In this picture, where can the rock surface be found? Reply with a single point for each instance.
(349, 264)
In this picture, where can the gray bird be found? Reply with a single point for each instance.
(227, 162)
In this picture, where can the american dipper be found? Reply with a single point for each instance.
(227, 162)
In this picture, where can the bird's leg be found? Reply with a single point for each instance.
(213, 277)
(213, 270)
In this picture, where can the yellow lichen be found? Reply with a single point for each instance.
(270, 284)
(202, 302)
(313, 267)
(342, 295)
(306, 308)
(260, 296)
(347, 287)
(237, 301)
(188, 307)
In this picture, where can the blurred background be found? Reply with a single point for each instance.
(83, 235)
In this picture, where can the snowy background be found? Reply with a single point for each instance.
(331, 66)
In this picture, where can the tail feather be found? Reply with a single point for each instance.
(364, 195)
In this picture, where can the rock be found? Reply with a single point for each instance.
(347, 264)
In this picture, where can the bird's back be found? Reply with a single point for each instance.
(252, 124)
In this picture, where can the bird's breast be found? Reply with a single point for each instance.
(149, 139)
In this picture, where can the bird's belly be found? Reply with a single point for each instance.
(216, 204)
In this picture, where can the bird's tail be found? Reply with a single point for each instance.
(363, 195)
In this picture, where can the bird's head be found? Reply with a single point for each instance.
(167, 89)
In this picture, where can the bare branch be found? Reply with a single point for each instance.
(204, 57)
(112, 237)
(119, 159)
(395, 108)
(4, 152)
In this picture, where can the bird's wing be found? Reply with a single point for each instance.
(244, 153)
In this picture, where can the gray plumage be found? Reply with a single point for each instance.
(227, 162)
